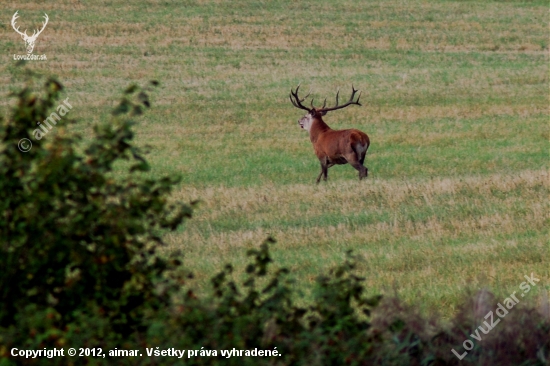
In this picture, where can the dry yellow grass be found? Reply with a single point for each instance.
(436, 237)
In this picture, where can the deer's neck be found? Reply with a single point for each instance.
(318, 127)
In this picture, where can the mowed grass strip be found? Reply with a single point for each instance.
(455, 100)
(437, 237)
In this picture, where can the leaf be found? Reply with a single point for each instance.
(122, 108)
(131, 89)
(141, 167)
(136, 111)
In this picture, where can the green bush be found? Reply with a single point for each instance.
(75, 239)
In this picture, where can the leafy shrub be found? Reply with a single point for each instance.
(74, 239)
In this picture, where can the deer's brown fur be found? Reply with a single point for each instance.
(333, 147)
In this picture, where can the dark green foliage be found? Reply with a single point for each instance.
(79, 268)
(73, 238)
(248, 316)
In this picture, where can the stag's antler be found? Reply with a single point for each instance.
(350, 102)
(297, 102)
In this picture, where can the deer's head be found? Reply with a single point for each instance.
(317, 113)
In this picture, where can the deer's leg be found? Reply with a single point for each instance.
(358, 165)
(324, 172)
(320, 175)
(324, 169)
(362, 170)
(362, 161)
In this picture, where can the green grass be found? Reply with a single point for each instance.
(455, 101)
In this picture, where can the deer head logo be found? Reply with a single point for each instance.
(29, 40)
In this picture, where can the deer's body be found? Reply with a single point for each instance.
(333, 147)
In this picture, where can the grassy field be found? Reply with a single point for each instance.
(455, 101)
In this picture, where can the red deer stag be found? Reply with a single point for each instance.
(333, 147)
